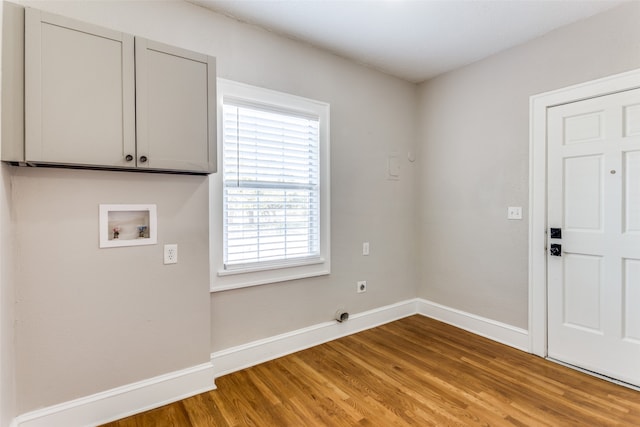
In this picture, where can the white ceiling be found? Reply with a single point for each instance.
(412, 39)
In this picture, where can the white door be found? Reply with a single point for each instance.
(594, 198)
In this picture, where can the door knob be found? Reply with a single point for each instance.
(555, 249)
(128, 158)
(143, 159)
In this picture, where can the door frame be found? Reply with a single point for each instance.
(538, 105)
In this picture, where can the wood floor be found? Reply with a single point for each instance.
(415, 371)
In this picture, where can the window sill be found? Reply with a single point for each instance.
(244, 278)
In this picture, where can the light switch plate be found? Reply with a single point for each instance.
(514, 212)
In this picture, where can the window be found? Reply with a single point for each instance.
(271, 185)
(273, 220)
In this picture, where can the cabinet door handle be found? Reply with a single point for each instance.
(128, 158)
(143, 159)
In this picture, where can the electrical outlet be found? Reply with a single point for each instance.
(362, 286)
(171, 254)
(365, 248)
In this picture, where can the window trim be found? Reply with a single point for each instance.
(225, 279)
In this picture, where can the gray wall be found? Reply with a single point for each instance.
(372, 115)
(90, 319)
(473, 161)
(7, 298)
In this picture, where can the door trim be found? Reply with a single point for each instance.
(538, 105)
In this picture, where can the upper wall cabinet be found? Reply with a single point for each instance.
(79, 93)
(95, 97)
(175, 104)
(12, 146)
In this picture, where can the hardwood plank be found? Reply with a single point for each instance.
(203, 411)
(415, 371)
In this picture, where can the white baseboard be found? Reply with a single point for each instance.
(496, 331)
(123, 401)
(256, 352)
(141, 396)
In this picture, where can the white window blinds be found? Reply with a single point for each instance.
(271, 185)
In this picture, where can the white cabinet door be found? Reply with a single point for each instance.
(175, 107)
(79, 93)
(594, 197)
